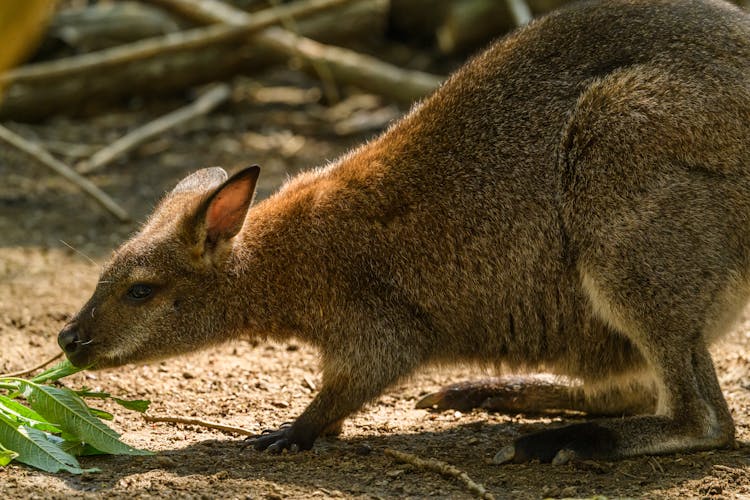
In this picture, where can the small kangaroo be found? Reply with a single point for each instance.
(575, 200)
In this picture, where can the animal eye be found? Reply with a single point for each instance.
(139, 291)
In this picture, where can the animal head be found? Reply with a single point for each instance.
(161, 292)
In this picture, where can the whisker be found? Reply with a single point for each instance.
(80, 253)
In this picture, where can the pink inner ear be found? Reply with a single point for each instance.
(227, 210)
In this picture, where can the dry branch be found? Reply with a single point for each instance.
(463, 25)
(103, 25)
(201, 106)
(520, 11)
(202, 423)
(347, 66)
(171, 42)
(471, 23)
(343, 65)
(44, 158)
(441, 468)
(31, 96)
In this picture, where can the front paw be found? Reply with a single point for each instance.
(285, 438)
(559, 446)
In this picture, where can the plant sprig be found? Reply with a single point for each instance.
(46, 427)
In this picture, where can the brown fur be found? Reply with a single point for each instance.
(575, 199)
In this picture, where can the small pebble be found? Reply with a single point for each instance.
(563, 457)
(165, 462)
(363, 449)
(569, 491)
(505, 455)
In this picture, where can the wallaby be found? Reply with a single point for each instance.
(575, 200)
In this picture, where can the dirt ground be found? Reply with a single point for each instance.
(256, 386)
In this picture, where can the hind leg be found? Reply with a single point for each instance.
(656, 209)
(542, 395)
(665, 278)
(694, 416)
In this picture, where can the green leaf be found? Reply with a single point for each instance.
(140, 405)
(60, 370)
(79, 449)
(87, 392)
(6, 456)
(104, 415)
(25, 415)
(74, 447)
(69, 412)
(33, 448)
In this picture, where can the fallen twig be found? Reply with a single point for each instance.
(343, 65)
(172, 42)
(655, 465)
(347, 66)
(520, 11)
(201, 106)
(70, 149)
(441, 468)
(101, 25)
(44, 158)
(83, 90)
(322, 71)
(31, 370)
(202, 423)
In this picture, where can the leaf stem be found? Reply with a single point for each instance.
(31, 370)
(203, 423)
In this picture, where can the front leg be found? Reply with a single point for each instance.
(319, 417)
(352, 376)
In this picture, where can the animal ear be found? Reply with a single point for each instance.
(201, 181)
(222, 214)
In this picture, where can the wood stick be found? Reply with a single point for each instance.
(322, 72)
(345, 65)
(44, 158)
(202, 423)
(520, 12)
(102, 25)
(21, 373)
(86, 90)
(442, 468)
(172, 42)
(471, 23)
(201, 106)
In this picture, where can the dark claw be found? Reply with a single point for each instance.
(284, 425)
(455, 397)
(275, 441)
(277, 446)
(254, 439)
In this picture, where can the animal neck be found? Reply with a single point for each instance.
(276, 270)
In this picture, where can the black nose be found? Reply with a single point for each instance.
(68, 339)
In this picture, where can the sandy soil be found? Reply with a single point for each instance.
(258, 386)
